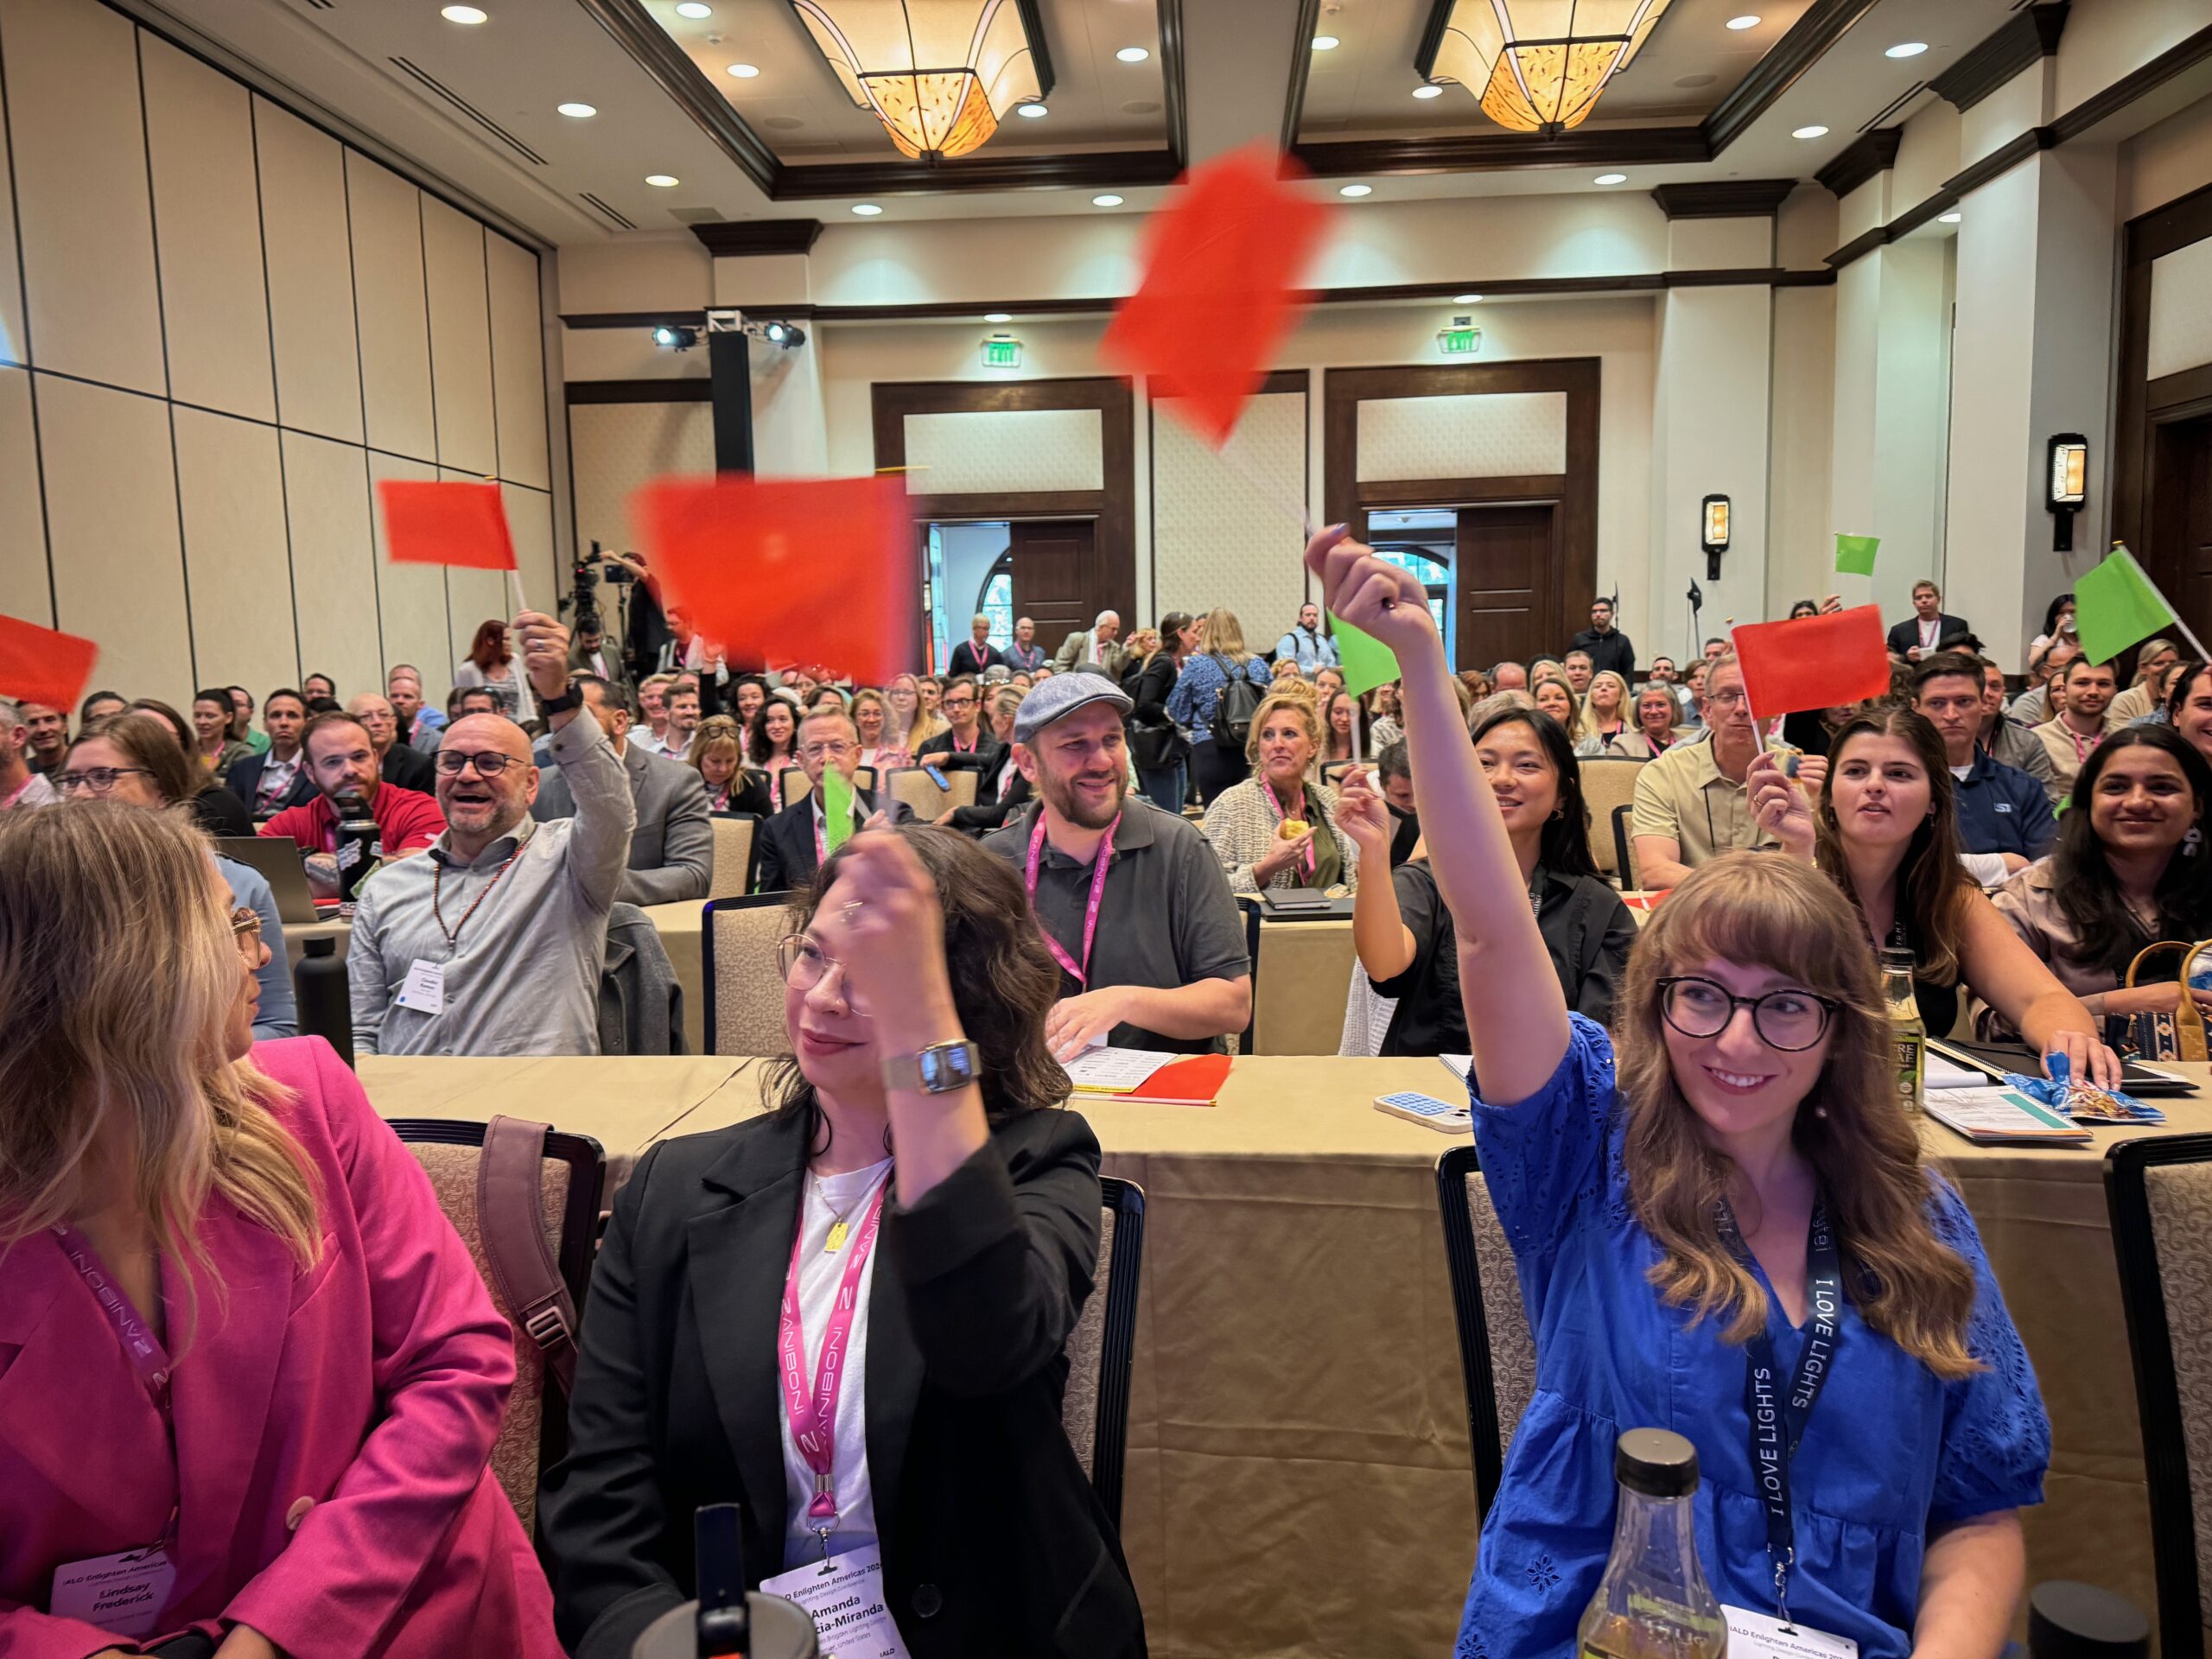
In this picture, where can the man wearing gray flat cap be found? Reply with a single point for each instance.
(1133, 903)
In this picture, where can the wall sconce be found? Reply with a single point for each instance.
(1714, 534)
(2068, 474)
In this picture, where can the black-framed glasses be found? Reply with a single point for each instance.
(805, 965)
(95, 780)
(490, 763)
(1789, 1020)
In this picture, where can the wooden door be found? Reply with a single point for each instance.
(2180, 554)
(1057, 582)
(1507, 567)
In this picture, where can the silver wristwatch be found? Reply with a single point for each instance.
(940, 1069)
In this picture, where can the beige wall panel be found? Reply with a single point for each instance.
(111, 502)
(394, 316)
(518, 361)
(208, 222)
(614, 449)
(24, 590)
(461, 340)
(83, 211)
(334, 561)
(412, 597)
(12, 348)
(230, 481)
(310, 274)
(475, 597)
(529, 516)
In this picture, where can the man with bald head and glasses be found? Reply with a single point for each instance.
(492, 943)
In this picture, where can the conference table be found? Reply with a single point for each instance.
(1298, 1478)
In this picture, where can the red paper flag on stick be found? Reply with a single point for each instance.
(782, 571)
(446, 524)
(39, 665)
(1217, 299)
(1816, 662)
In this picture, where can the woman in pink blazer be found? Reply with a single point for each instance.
(249, 1376)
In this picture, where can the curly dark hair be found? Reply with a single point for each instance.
(2088, 896)
(1004, 980)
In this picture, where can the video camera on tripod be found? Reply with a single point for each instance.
(584, 576)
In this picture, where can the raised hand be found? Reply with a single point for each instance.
(1363, 814)
(1373, 594)
(544, 653)
(1779, 805)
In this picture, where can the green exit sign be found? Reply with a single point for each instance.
(1002, 351)
(1459, 342)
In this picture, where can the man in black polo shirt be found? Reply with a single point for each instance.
(1152, 953)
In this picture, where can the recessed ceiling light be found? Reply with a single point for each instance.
(663, 180)
(694, 9)
(464, 13)
(866, 209)
(1106, 202)
(1031, 111)
(744, 71)
(1949, 218)
(581, 111)
(1906, 50)
(998, 316)
(1747, 20)
(1326, 42)
(1133, 54)
(1466, 299)
(1610, 178)
(1356, 190)
(1810, 132)
(1428, 92)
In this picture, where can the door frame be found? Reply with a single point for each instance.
(1572, 495)
(1460, 585)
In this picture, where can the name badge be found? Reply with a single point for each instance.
(124, 1595)
(1754, 1636)
(844, 1597)
(424, 990)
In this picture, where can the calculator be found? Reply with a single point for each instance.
(1439, 1114)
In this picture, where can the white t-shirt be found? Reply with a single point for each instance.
(827, 1197)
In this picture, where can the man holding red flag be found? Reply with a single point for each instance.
(1691, 803)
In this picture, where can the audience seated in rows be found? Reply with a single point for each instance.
(396, 764)
(2003, 815)
(671, 854)
(214, 807)
(1278, 828)
(278, 777)
(342, 762)
(1691, 803)
(794, 841)
(2083, 694)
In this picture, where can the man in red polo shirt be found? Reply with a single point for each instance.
(341, 758)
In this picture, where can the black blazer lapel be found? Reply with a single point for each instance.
(894, 1377)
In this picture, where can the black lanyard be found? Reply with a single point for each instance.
(1778, 1421)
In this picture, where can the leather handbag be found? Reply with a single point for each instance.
(2168, 1034)
(510, 1218)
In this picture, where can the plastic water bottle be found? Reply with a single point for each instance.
(325, 1002)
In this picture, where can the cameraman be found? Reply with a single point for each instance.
(592, 652)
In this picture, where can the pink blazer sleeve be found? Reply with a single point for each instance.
(26, 1633)
(444, 1361)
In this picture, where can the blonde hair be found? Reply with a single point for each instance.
(925, 724)
(119, 974)
(710, 735)
(1225, 635)
(1625, 710)
(1307, 710)
(868, 695)
(1908, 1284)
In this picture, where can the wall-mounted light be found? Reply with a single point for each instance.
(2067, 474)
(1713, 534)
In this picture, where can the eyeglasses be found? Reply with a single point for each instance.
(805, 965)
(1726, 699)
(490, 763)
(95, 780)
(1790, 1020)
(960, 703)
(837, 749)
(245, 933)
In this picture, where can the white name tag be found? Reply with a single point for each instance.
(124, 1595)
(424, 990)
(1754, 1636)
(844, 1597)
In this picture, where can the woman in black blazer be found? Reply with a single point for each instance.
(979, 1234)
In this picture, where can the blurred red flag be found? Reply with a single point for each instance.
(39, 665)
(781, 571)
(446, 524)
(1216, 300)
(1816, 662)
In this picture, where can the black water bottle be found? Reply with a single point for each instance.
(357, 845)
(2070, 1620)
(325, 1002)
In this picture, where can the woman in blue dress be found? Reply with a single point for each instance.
(1743, 1206)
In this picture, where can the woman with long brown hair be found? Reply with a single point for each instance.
(1744, 1187)
(491, 666)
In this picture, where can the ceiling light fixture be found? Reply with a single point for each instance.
(1106, 202)
(663, 180)
(1747, 20)
(1610, 178)
(578, 111)
(998, 316)
(939, 77)
(464, 13)
(1466, 299)
(1949, 218)
(1033, 111)
(1530, 71)
(1428, 92)
(1133, 54)
(1810, 132)
(866, 209)
(694, 9)
(1326, 42)
(744, 71)
(1906, 50)
(1356, 190)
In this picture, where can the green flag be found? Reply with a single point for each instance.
(837, 808)
(2115, 605)
(1855, 555)
(1367, 661)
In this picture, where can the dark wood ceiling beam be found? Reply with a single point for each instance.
(1723, 198)
(2024, 38)
(743, 237)
(1869, 154)
(1499, 150)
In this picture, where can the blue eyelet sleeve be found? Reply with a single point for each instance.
(1544, 1158)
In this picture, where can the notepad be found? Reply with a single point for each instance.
(1940, 1073)
(2003, 1117)
(1107, 1071)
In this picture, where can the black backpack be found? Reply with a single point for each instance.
(1240, 701)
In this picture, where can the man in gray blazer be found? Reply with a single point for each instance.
(672, 849)
(1097, 650)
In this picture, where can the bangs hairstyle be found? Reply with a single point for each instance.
(1563, 845)
(93, 1029)
(1004, 979)
(1755, 908)
(1933, 887)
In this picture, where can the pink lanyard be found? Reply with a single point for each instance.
(813, 1413)
(2081, 749)
(1305, 859)
(147, 1356)
(969, 747)
(1099, 864)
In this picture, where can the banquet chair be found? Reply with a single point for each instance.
(745, 990)
(1608, 783)
(2160, 1196)
(733, 870)
(1101, 1350)
(1497, 1354)
(794, 784)
(1241, 1042)
(534, 1433)
(924, 799)
(1332, 771)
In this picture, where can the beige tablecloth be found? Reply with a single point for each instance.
(1298, 1479)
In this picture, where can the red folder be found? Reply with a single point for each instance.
(1195, 1082)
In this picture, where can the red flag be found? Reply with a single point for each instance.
(815, 570)
(446, 524)
(39, 665)
(1816, 662)
(1216, 300)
